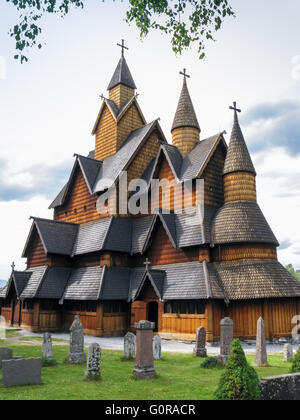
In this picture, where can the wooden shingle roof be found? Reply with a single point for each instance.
(238, 158)
(241, 222)
(185, 115)
(122, 76)
(256, 279)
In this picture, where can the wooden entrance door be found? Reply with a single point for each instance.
(152, 313)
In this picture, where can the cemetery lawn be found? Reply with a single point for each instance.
(179, 378)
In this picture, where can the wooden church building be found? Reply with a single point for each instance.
(174, 268)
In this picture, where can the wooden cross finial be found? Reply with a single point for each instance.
(147, 263)
(123, 47)
(13, 266)
(184, 73)
(234, 108)
(102, 96)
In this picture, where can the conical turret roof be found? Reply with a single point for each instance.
(185, 115)
(238, 158)
(122, 75)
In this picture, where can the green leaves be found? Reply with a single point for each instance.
(27, 31)
(186, 21)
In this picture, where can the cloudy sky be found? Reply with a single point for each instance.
(48, 106)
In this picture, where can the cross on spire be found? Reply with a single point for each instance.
(184, 73)
(102, 96)
(13, 266)
(147, 263)
(234, 108)
(123, 47)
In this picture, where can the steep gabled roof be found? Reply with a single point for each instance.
(193, 165)
(36, 278)
(241, 222)
(156, 278)
(185, 115)
(116, 112)
(56, 237)
(89, 168)
(19, 279)
(114, 165)
(122, 76)
(238, 158)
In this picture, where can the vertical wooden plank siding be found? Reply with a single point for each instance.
(36, 256)
(80, 206)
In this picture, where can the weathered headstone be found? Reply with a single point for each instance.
(157, 347)
(280, 388)
(144, 368)
(288, 353)
(200, 347)
(261, 344)
(226, 339)
(47, 348)
(93, 362)
(77, 354)
(5, 354)
(22, 372)
(129, 346)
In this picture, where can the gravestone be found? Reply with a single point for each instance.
(200, 347)
(226, 339)
(22, 372)
(288, 353)
(280, 388)
(129, 346)
(77, 354)
(47, 348)
(93, 362)
(144, 368)
(157, 347)
(261, 344)
(5, 354)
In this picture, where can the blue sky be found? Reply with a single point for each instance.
(49, 105)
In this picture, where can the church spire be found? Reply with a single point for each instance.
(122, 75)
(185, 129)
(238, 157)
(239, 173)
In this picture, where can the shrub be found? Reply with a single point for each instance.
(210, 363)
(239, 380)
(296, 362)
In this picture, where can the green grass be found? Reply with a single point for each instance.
(179, 377)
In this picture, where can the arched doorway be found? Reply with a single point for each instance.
(152, 313)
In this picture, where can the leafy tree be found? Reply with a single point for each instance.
(186, 21)
(292, 271)
(239, 380)
(296, 362)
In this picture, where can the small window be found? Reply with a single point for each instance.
(168, 308)
(75, 211)
(200, 308)
(66, 213)
(85, 209)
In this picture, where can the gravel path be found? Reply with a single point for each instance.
(169, 346)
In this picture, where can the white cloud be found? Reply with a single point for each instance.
(279, 197)
(14, 228)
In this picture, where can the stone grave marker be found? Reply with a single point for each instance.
(157, 347)
(22, 372)
(226, 339)
(261, 344)
(144, 368)
(93, 362)
(200, 347)
(77, 354)
(129, 346)
(47, 348)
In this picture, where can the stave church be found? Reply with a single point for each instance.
(172, 267)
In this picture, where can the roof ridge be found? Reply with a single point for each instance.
(51, 220)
